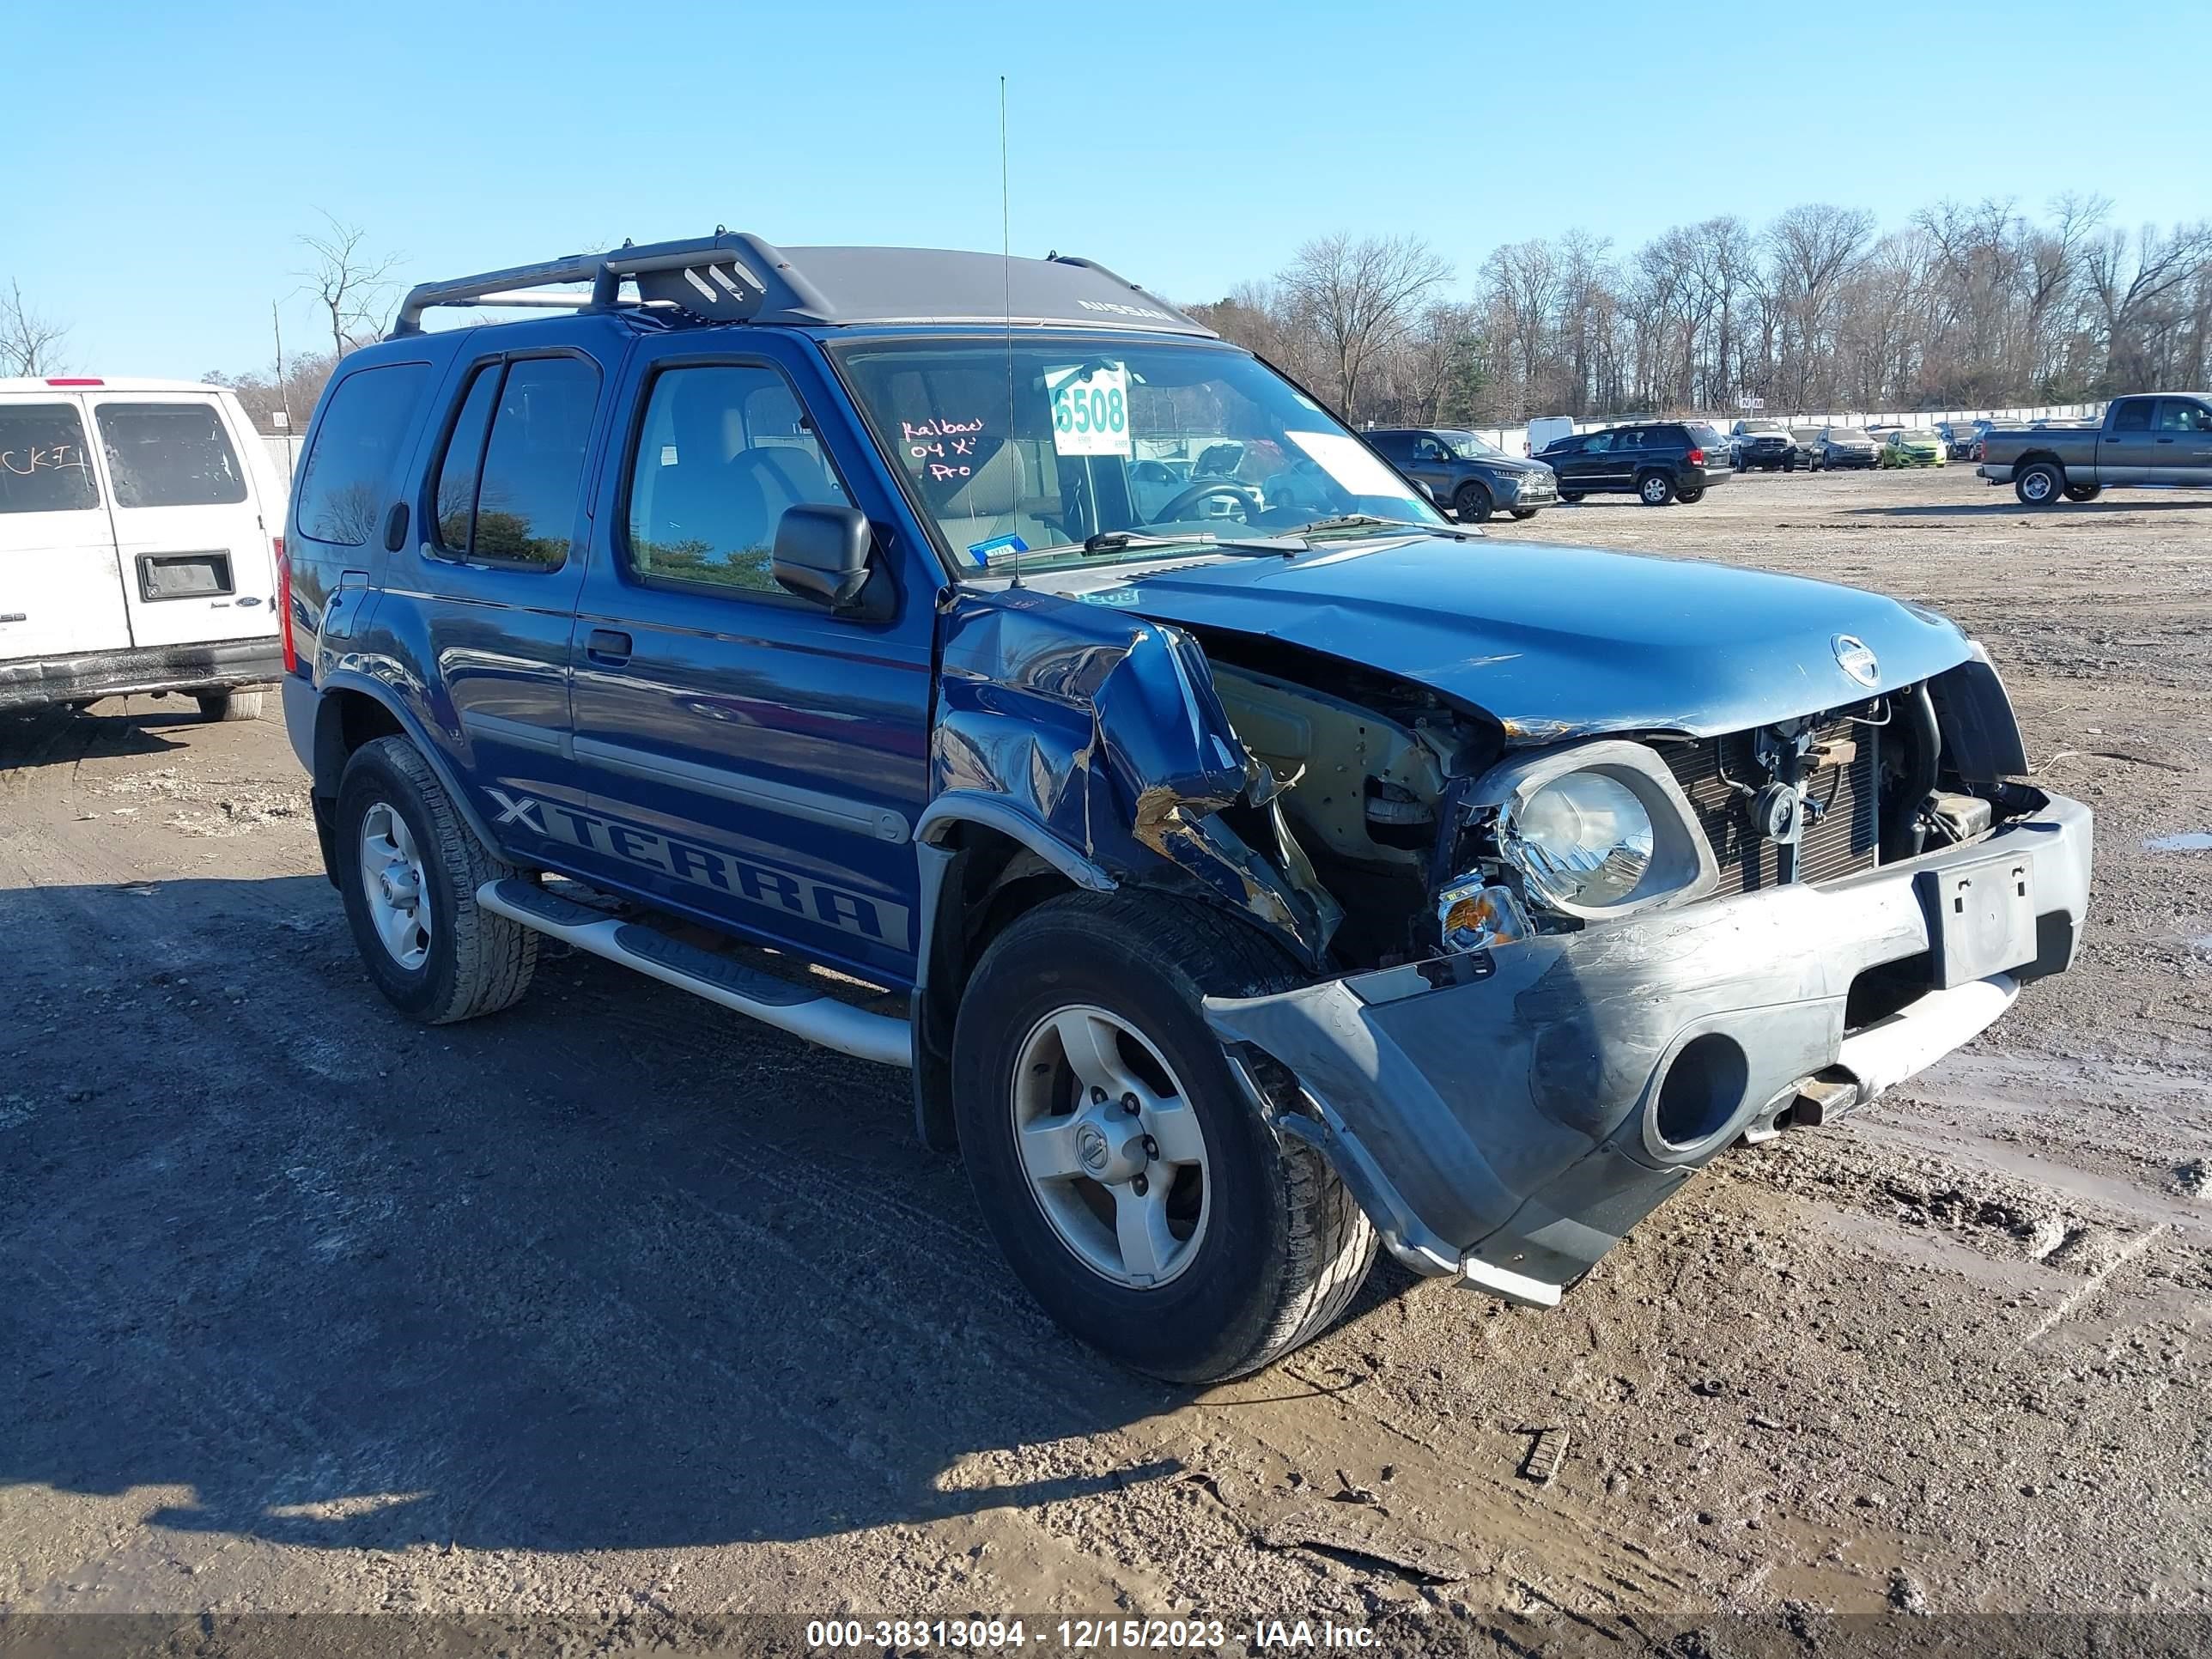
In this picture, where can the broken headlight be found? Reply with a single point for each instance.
(1582, 840)
(1595, 830)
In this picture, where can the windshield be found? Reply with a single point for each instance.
(1850, 435)
(1918, 435)
(1751, 427)
(1147, 438)
(1468, 447)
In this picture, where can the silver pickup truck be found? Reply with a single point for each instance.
(2161, 439)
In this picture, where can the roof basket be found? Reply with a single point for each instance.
(728, 277)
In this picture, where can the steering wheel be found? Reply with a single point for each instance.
(1244, 495)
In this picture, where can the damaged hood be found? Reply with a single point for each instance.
(1558, 641)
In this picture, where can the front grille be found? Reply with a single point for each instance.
(1840, 840)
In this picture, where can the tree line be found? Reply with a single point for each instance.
(1963, 306)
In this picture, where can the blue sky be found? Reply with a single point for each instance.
(163, 159)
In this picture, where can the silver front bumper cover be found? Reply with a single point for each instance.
(1496, 1114)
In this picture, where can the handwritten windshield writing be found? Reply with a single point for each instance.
(943, 446)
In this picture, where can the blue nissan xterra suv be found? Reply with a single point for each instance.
(1249, 864)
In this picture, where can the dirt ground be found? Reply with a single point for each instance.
(620, 1314)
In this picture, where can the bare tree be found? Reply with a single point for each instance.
(1361, 297)
(30, 343)
(349, 282)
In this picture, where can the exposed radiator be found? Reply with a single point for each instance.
(1840, 838)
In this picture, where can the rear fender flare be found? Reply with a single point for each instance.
(330, 757)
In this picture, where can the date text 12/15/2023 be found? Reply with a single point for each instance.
(1085, 1635)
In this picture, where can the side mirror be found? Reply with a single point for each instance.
(821, 553)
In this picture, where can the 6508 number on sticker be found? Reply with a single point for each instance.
(1089, 409)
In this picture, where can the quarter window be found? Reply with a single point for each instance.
(345, 473)
(169, 455)
(43, 465)
(724, 450)
(517, 505)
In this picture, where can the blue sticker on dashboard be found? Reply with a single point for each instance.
(982, 551)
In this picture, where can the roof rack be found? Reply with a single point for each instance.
(733, 277)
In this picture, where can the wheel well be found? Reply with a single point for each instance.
(2044, 456)
(345, 721)
(989, 880)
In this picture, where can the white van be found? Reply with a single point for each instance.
(1545, 431)
(139, 528)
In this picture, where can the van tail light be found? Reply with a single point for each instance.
(284, 605)
(1696, 458)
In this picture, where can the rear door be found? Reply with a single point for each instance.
(2182, 442)
(2123, 451)
(196, 561)
(60, 592)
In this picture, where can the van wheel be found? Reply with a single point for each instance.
(408, 869)
(2084, 492)
(2039, 485)
(1130, 1184)
(1657, 488)
(1473, 504)
(230, 706)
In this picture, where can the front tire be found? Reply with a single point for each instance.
(1655, 488)
(1473, 504)
(1525, 514)
(1181, 1239)
(2084, 492)
(1689, 497)
(2039, 484)
(408, 869)
(1570, 496)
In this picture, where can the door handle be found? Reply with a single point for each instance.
(2165, 441)
(605, 646)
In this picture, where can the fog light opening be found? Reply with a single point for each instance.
(1703, 1090)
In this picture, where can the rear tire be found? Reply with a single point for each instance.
(1570, 496)
(230, 706)
(1473, 504)
(432, 951)
(1269, 1248)
(2039, 484)
(1655, 489)
(1525, 514)
(1689, 497)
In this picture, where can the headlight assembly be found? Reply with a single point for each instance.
(1597, 830)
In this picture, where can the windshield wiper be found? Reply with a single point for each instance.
(1113, 541)
(1369, 522)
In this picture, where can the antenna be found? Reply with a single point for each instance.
(1006, 276)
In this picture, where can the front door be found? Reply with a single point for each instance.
(60, 591)
(197, 562)
(2182, 442)
(754, 759)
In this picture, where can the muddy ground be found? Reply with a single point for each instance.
(619, 1310)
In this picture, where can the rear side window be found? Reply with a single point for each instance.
(725, 451)
(2134, 416)
(1703, 436)
(169, 455)
(345, 476)
(43, 465)
(517, 504)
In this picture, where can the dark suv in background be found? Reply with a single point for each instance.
(1656, 461)
(1466, 473)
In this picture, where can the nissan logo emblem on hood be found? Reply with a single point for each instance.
(1854, 657)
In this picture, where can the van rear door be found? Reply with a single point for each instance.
(60, 592)
(196, 557)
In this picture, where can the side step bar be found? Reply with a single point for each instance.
(763, 997)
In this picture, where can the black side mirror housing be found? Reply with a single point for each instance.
(822, 552)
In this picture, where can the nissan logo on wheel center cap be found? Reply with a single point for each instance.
(1857, 659)
(1090, 1146)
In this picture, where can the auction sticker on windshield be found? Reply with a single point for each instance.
(1089, 409)
(1350, 463)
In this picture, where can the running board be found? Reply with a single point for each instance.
(743, 990)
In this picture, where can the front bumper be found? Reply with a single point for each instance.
(214, 665)
(1529, 490)
(1497, 1114)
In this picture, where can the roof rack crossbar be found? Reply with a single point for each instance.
(731, 274)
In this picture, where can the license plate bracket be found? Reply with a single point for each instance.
(1981, 917)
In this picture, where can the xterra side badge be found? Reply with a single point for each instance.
(1857, 659)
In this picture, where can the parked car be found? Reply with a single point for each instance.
(1656, 461)
(2160, 440)
(1809, 451)
(1847, 446)
(1468, 474)
(1912, 446)
(136, 552)
(1242, 890)
(1765, 445)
